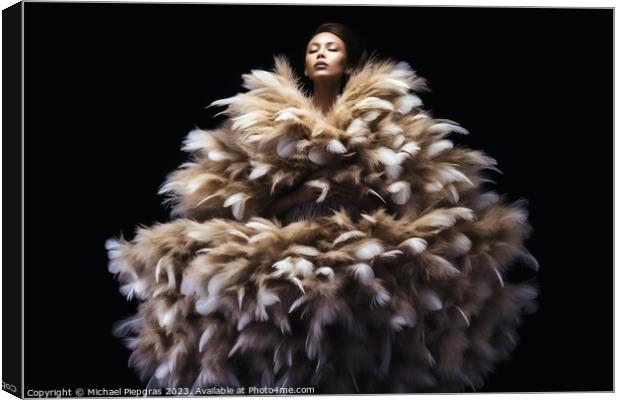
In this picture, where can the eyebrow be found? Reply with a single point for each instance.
(317, 43)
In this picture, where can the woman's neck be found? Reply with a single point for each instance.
(325, 93)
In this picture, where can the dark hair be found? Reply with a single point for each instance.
(356, 53)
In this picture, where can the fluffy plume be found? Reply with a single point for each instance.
(401, 192)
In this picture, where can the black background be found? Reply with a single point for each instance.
(111, 90)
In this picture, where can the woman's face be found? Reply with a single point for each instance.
(326, 57)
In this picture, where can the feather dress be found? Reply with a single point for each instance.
(410, 297)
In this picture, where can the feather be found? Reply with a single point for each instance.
(327, 272)
(415, 245)
(260, 224)
(398, 322)
(516, 215)
(264, 300)
(286, 147)
(401, 191)
(207, 306)
(499, 276)
(201, 235)
(305, 250)
(486, 199)
(169, 316)
(393, 171)
(357, 127)
(369, 250)
(431, 301)
(336, 147)
(135, 288)
(318, 156)
(224, 102)
(438, 147)
(239, 234)
(526, 293)
(216, 284)
(172, 284)
(297, 303)
(267, 298)
(374, 193)
(440, 267)
(288, 114)
(392, 254)
(237, 204)
(265, 77)
(169, 187)
(529, 260)
(267, 379)
(127, 326)
(217, 194)
(398, 85)
(198, 139)
(371, 115)
(393, 129)
(162, 371)
(442, 218)
(259, 170)
(373, 103)
(411, 148)
(240, 296)
(244, 320)
(431, 359)
(348, 236)
(450, 174)
(320, 184)
(463, 315)
(461, 244)
(382, 297)
(444, 127)
(196, 183)
(260, 237)
(304, 267)
(363, 273)
(369, 218)
(398, 141)
(158, 268)
(298, 283)
(131, 342)
(283, 265)
(218, 155)
(386, 355)
(389, 157)
(420, 115)
(190, 284)
(433, 187)
(402, 70)
(454, 194)
(408, 103)
(245, 121)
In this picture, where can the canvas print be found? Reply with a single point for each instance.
(315, 199)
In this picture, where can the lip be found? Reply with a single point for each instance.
(319, 63)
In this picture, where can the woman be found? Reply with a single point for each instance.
(337, 241)
(332, 54)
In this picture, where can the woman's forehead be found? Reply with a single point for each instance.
(325, 37)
